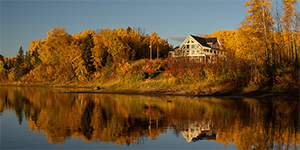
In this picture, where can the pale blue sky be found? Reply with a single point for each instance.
(25, 21)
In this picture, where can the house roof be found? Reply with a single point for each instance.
(200, 40)
(211, 40)
(204, 42)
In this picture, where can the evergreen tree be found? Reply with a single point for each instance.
(2, 58)
(129, 29)
(28, 65)
(86, 53)
(19, 65)
(2, 63)
(36, 55)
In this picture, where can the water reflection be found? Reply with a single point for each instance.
(123, 119)
(199, 131)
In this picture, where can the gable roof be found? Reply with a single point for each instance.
(200, 40)
(204, 42)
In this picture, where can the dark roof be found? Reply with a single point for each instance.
(210, 40)
(201, 40)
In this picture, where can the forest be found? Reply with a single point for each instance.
(263, 51)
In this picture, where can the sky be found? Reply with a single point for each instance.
(23, 21)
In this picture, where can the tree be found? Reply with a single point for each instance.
(278, 35)
(158, 45)
(246, 50)
(288, 22)
(99, 50)
(27, 61)
(2, 63)
(19, 65)
(261, 21)
(86, 53)
(34, 47)
(35, 55)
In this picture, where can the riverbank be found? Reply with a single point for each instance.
(230, 92)
(169, 77)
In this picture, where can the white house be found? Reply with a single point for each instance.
(195, 48)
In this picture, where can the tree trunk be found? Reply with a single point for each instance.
(266, 42)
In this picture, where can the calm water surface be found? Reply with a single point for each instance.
(48, 118)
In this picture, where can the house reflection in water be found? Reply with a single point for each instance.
(199, 131)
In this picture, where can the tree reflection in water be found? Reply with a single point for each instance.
(124, 119)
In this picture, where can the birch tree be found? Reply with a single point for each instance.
(261, 21)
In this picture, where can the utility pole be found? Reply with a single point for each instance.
(157, 51)
(150, 50)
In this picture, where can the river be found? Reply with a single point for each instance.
(54, 118)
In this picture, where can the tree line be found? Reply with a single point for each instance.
(62, 57)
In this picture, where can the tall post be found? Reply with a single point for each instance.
(150, 50)
(157, 51)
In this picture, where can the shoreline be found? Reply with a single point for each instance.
(257, 94)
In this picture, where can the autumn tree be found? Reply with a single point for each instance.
(288, 20)
(53, 52)
(278, 39)
(261, 21)
(53, 47)
(99, 50)
(3, 66)
(158, 47)
(61, 57)
(34, 47)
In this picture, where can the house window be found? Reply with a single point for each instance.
(198, 51)
(183, 47)
(193, 46)
(192, 41)
(188, 42)
(187, 46)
